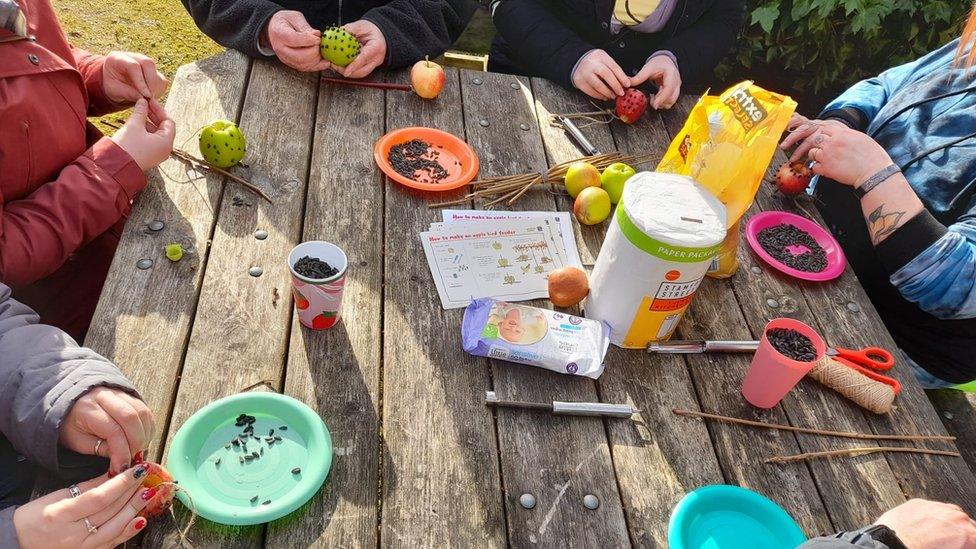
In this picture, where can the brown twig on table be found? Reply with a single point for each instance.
(510, 188)
(365, 84)
(184, 156)
(809, 431)
(860, 452)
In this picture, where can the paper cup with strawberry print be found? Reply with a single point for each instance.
(318, 301)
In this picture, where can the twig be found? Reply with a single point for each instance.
(840, 434)
(859, 452)
(365, 84)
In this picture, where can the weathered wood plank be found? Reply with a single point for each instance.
(655, 464)
(810, 405)
(143, 318)
(855, 323)
(441, 481)
(337, 371)
(715, 314)
(557, 459)
(957, 409)
(240, 333)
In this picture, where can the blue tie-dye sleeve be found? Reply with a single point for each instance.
(942, 279)
(870, 95)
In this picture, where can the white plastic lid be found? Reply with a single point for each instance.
(674, 209)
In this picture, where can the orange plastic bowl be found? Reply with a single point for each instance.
(451, 149)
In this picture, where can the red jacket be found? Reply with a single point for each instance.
(64, 188)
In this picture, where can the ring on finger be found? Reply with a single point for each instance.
(74, 491)
(89, 526)
(98, 444)
(814, 153)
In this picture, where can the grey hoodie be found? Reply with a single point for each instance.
(42, 373)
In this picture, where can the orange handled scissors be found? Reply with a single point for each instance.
(869, 361)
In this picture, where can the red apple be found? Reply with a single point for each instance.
(162, 481)
(427, 79)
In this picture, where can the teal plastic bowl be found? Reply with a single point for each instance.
(224, 491)
(729, 517)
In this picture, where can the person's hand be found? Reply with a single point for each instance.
(122, 422)
(372, 51)
(599, 76)
(805, 132)
(294, 41)
(128, 76)
(847, 156)
(57, 520)
(923, 524)
(661, 70)
(147, 135)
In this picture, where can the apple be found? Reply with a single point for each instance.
(222, 143)
(567, 286)
(592, 206)
(427, 79)
(579, 176)
(613, 179)
(160, 479)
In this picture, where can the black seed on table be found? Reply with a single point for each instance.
(217, 462)
(236, 442)
(227, 446)
(262, 450)
(271, 432)
(296, 470)
(283, 428)
(777, 239)
(266, 502)
(242, 459)
(414, 160)
(248, 458)
(254, 454)
(254, 499)
(277, 439)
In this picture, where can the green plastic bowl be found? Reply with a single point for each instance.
(729, 517)
(223, 492)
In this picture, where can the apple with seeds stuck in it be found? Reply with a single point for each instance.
(162, 481)
(427, 79)
(222, 143)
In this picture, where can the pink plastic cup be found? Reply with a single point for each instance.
(771, 374)
(318, 301)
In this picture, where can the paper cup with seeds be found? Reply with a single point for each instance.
(318, 276)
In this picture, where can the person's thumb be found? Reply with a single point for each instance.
(167, 130)
(140, 112)
(646, 72)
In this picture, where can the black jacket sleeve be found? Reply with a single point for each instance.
(700, 47)
(541, 42)
(234, 24)
(858, 539)
(417, 28)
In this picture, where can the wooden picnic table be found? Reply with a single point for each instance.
(419, 459)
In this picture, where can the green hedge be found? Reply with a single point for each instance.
(816, 48)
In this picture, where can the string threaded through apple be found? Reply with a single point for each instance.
(628, 108)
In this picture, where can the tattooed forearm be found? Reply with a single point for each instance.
(882, 223)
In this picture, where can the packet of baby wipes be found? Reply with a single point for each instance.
(548, 339)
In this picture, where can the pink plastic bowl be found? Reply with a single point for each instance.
(835, 256)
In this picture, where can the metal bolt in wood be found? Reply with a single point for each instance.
(144, 264)
(514, 85)
(524, 127)
(772, 303)
(756, 269)
(483, 122)
(476, 81)
(853, 307)
(260, 234)
(527, 501)
(591, 502)
(156, 225)
(255, 271)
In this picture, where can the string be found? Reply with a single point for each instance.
(192, 508)
(859, 388)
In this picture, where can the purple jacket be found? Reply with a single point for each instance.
(42, 373)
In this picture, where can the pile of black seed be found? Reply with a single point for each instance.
(247, 435)
(777, 238)
(792, 344)
(313, 267)
(415, 159)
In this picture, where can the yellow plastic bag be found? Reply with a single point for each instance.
(726, 144)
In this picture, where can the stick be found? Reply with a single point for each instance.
(363, 84)
(859, 452)
(840, 434)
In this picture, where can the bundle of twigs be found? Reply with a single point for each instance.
(509, 188)
(186, 157)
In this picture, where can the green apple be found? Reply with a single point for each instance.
(222, 143)
(613, 179)
(592, 206)
(579, 176)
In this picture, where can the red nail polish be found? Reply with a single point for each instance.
(148, 494)
(138, 457)
(111, 473)
(140, 523)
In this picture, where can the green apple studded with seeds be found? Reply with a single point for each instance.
(338, 46)
(222, 144)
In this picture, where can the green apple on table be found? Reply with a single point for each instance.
(613, 179)
(579, 176)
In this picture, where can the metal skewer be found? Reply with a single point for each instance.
(687, 346)
(574, 132)
(566, 408)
